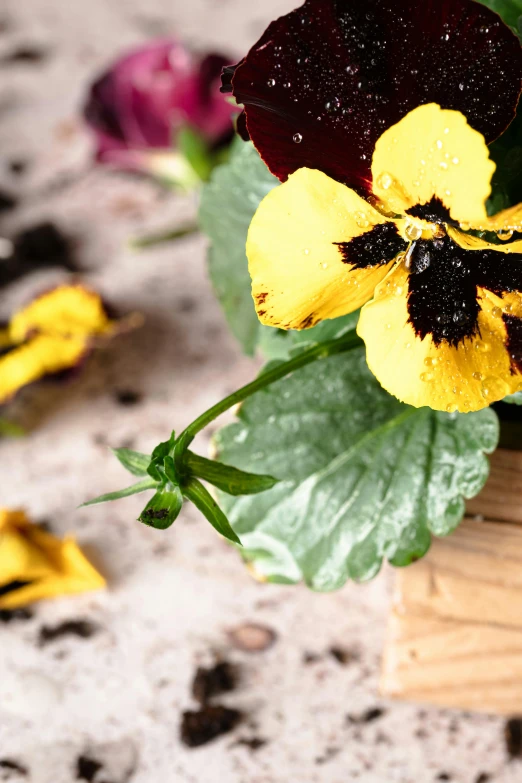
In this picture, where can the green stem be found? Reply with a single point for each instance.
(150, 240)
(318, 351)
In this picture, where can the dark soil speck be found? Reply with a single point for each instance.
(214, 681)
(513, 737)
(369, 716)
(84, 629)
(87, 768)
(204, 725)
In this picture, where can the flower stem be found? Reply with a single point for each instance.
(319, 351)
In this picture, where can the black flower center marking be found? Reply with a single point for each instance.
(434, 212)
(374, 248)
(442, 299)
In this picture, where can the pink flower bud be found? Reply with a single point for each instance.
(148, 95)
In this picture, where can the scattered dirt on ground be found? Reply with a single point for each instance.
(513, 737)
(84, 629)
(201, 726)
(368, 716)
(214, 681)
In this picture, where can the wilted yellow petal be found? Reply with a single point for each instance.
(44, 565)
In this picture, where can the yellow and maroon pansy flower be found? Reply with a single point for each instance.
(325, 81)
(442, 319)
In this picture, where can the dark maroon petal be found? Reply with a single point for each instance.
(325, 81)
(241, 127)
(376, 247)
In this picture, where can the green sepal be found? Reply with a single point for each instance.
(155, 469)
(194, 148)
(135, 462)
(514, 399)
(228, 479)
(163, 509)
(204, 502)
(141, 486)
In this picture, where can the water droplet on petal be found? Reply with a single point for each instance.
(505, 234)
(271, 82)
(298, 137)
(413, 232)
(385, 180)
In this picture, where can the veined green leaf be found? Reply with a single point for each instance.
(362, 476)
(228, 203)
(141, 486)
(133, 461)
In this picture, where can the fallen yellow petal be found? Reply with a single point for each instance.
(35, 564)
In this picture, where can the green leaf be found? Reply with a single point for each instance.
(228, 204)
(141, 486)
(509, 10)
(194, 148)
(362, 476)
(228, 479)
(163, 509)
(514, 399)
(203, 500)
(133, 461)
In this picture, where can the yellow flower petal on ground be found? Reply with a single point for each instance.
(433, 153)
(465, 378)
(72, 311)
(39, 564)
(50, 335)
(298, 273)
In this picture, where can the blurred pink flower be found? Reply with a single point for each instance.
(148, 95)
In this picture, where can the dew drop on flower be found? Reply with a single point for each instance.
(324, 265)
(451, 407)
(426, 377)
(478, 376)
(413, 232)
(306, 251)
(494, 388)
(443, 165)
(505, 234)
(298, 137)
(271, 83)
(429, 362)
(362, 220)
(464, 226)
(496, 312)
(455, 161)
(352, 69)
(439, 144)
(385, 180)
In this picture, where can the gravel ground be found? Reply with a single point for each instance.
(104, 702)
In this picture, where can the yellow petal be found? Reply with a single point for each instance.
(465, 378)
(50, 566)
(433, 152)
(40, 356)
(50, 335)
(469, 242)
(298, 274)
(71, 311)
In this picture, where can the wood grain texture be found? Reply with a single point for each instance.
(501, 498)
(455, 628)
